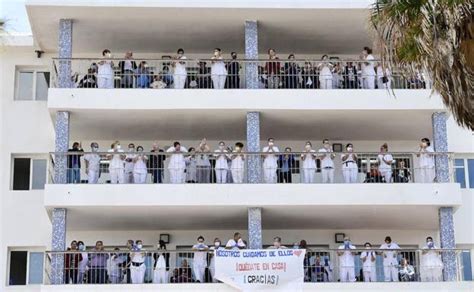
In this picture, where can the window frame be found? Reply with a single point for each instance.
(465, 158)
(31, 157)
(28, 250)
(30, 69)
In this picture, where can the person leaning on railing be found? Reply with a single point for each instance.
(233, 72)
(74, 163)
(286, 166)
(105, 73)
(71, 264)
(156, 163)
(127, 70)
(431, 266)
(98, 264)
(161, 265)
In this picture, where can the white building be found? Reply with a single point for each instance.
(43, 112)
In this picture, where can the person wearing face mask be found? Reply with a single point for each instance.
(431, 265)
(98, 264)
(238, 163)
(368, 69)
(272, 68)
(139, 166)
(177, 163)
(137, 266)
(236, 243)
(180, 73)
(286, 166)
(129, 164)
(325, 73)
(82, 268)
(71, 263)
(385, 160)
(116, 166)
(327, 163)
(368, 258)
(390, 261)
(191, 166)
(105, 73)
(222, 166)
(212, 265)
(162, 264)
(350, 170)
(93, 164)
(346, 261)
(74, 164)
(277, 244)
(203, 165)
(200, 259)
(218, 70)
(270, 162)
(233, 72)
(292, 71)
(127, 69)
(115, 267)
(309, 163)
(427, 161)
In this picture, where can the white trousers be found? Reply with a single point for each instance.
(238, 175)
(370, 276)
(328, 175)
(326, 83)
(390, 273)
(160, 276)
(198, 271)
(139, 177)
(116, 175)
(138, 274)
(431, 274)
(221, 176)
(387, 174)
(427, 174)
(350, 174)
(105, 82)
(347, 274)
(128, 177)
(177, 175)
(368, 82)
(269, 175)
(92, 176)
(218, 81)
(308, 175)
(179, 81)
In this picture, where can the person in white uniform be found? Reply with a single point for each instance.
(191, 168)
(93, 164)
(180, 73)
(390, 260)
(129, 164)
(368, 69)
(218, 70)
(431, 269)
(82, 267)
(325, 73)
(238, 163)
(137, 265)
(177, 163)
(105, 70)
(350, 170)
(383, 77)
(161, 265)
(222, 166)
(236, 243)
(368, 258)
(139, 167)
(385, 160)
(116, 166)
(199, 259)
(309, 163)
(212, 265)
(346, 261)
(270, 162)
(327, 163)
(427, 161)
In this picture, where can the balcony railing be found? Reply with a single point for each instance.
(232, 167)
(122, 266)
(232, 74)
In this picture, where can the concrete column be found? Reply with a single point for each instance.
(251, 53)
(254, 170)
(65, 51)
(255, 228)
(61, 128)
(447, 240)
(58, 243)
(440, 141)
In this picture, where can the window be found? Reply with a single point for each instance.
(470, 170)
(460, 172)
(28, 174)
(25, 267)
(31, 84)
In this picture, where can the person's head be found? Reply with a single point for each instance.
(177, 145)
(81, 246)
(200, 239)
(384, 148)
(239, 146)
(73, 245)
(131, 147)
(237, 236)
(326, 144)
(308, 145)
(429, 241)
(184, 263)
(401, 163)
(116, 145)
(303, 244)
(318, 259)
(75, 145)
(325, 57)
(404, 262)
(233, 55)
(139, 244)
(367, 51)
(139, 148)
(347, 240)
(94, 146)
(217, 242)
(161, 244)
(271, 141)
(277, 241)
(388, 240)
(217, 52)
(192, 149)
(154, 146)
(202, 64)
(349, 147)
(291, 56)
(99, 245)
(288, 149)
(221, 145)
(106, 53)
(367, 245)
(271, 52)
(180, 52)
(128, 54)
(129, 243)
(426, 142)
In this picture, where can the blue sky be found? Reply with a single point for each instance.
(15, 13)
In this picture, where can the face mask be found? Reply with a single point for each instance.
(221, 147)
(95, 149)
(307, 147)
(430, 244)
(347, 243)
(270, 143)
(217, 244)
(109, 55)
(119, 146)
(367, 247)
(326, 146)
(237, 148)
(140, 150)
(131, 149)
(276, 243)
(139, 246)
(349, 149)
(296, 246)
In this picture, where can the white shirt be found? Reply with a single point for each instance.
(326, 162)
(200, 257)
(180, 69)
(237, 161)
(309, 162)
(105, 69)
(160, 262)
(382, 164)
(221, 159)
(177, 160)
(368, 69)
(129, 165)
(235, 245)
(427, 159)
(347, 259)
(368, 265)
(140, 165)
(350, 162)
(93, 160)
(390, 259)
(116, 162)
(432, 258)
(270, 160)
(137, 257)
(127, 65)
(218, 67)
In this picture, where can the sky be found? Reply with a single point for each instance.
(15, 13)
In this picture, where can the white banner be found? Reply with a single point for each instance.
(260, 269)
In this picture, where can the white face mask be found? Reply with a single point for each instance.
(140, 246)
(221, 147)
(270, 143)
(307, 147)
(119, 146)
(217, 244)
(131, 149)
(349, 149)
(95, 149)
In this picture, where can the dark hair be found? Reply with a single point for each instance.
(176, 144)
(139, 147)
(180, 50)
(162, 244)
(385, 146)
(221, 142)
(74, 241)
(303, 243)
(388, 238)
(426, 140)
(277, 239)
(201, 237)
(429, 237)
(191, 149)
(308, 142)
(349, 144)
(237, 233)
(324, 56)
(325, 140)
(270, 139)
(291, 55)
(75, 144)
(239, 144)
(131, 144)
(233, 53)
(270, 49)
(288, 148)
(106, 51)
(218, 49)
(80, 242)
(368, 243)
(99, 241)
(369, 50)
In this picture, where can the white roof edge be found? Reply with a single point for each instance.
(16, 40)
(282, 4)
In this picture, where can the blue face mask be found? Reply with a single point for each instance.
(347, 243)
(430, 244)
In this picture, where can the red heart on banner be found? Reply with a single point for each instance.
(297, 252)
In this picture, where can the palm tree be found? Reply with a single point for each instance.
(437, 37)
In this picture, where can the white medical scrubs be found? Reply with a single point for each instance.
(390, 262)
(384, 168)
(218, 74)
(325, 77)
(212, 265)
(368, 267)
(129, 166)
(237, 168)
(160, 274)
(222, 166)
(105, 75)
(368, 73)
(427, 165)
(327, 166)
(380, 75)
(199, 262)
(347, 265)
(270, 165)
(116, 168)
(431, 265)
(309, 166)
(140, 169)
(138, 272)
(93, 161)
(350, 171)
(177, 165)
(180, 73)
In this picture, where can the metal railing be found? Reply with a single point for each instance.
(232, 74)
(232, 167)
(123, 266)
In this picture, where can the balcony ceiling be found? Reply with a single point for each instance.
(312, 30)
